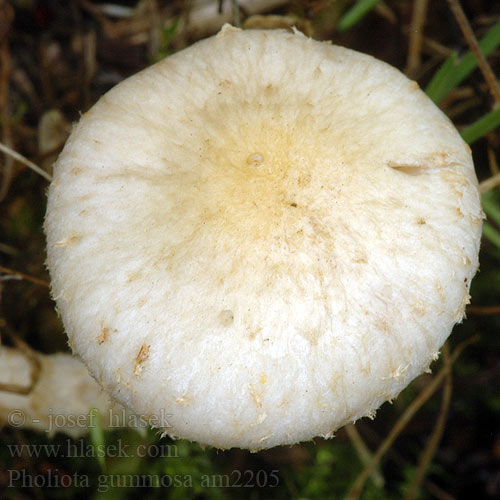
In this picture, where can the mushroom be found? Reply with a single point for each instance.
(263, 237)
(54, 393)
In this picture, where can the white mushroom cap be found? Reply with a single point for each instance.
(56, 397)
(262, 238)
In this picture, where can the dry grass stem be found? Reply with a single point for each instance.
(403, 420)
(493, 163)
(483, 63)
(438, 492)
(384, 11)
(22, 159)
(416, 37)
(365, 455)
(437, 433)
(483, 310)
(489, 183)
(460, 108)
(435, 48)
(23, 276)
(6, 13)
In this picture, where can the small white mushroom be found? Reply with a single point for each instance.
(54, 393)
(266, 236)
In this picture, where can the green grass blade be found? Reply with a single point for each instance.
(491, 234)
(481, 127)
(438, 86)
(489, 201)
(97, 437)
(455, 69)
(490, 206)
(355, 14)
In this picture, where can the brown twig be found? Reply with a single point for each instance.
(437, 433)
(401, 423)
(482, 62)
(416, 37)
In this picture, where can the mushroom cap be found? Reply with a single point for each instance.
(262, 238)
(57, 397)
